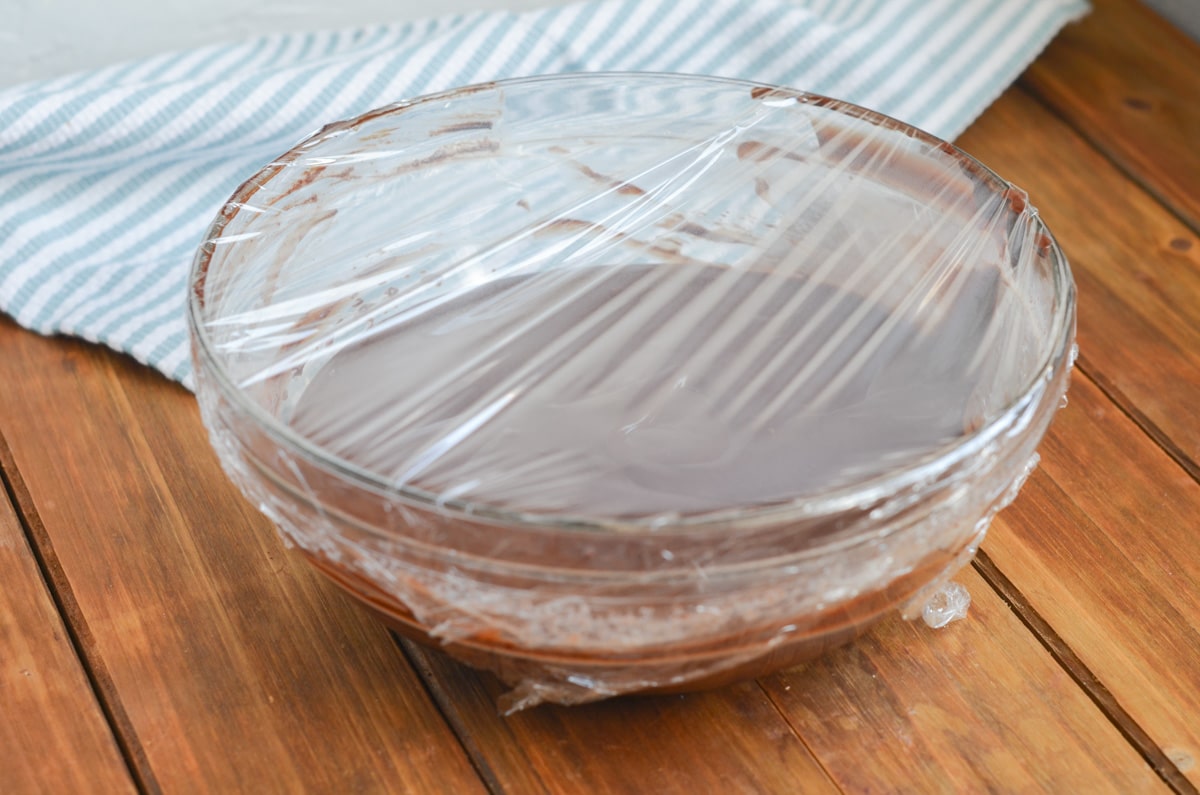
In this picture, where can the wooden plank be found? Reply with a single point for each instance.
(1136, 265)
(1103, 546)
(978, 706)
(1129, 82)
(231, 666)
(728, 740)
(50, 712)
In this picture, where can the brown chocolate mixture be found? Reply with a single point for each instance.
(641, 390)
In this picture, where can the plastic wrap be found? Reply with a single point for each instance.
(614, 383)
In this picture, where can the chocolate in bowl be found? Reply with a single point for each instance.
(614, 383)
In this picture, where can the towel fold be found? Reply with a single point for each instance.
(109, 178)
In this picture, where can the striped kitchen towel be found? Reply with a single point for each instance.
(109, 178)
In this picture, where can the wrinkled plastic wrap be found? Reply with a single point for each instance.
(613, 383)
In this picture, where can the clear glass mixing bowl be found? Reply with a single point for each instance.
(628, 382)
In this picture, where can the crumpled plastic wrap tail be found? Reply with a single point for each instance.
(617, 383)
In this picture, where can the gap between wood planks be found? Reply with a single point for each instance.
(80, 638)
(439, 696)
(1147, 426)
(783, 716)
(1083, 676)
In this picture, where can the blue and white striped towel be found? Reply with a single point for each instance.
(109, 178)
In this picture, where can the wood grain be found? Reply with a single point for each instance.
(1103, 546)
(229, 666)
(1139, 288)
(730, 740)
(977, 706)
(55, 735)
(1129, 82)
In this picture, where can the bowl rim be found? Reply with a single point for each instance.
(207, 365)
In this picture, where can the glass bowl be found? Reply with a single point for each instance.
(629, 382)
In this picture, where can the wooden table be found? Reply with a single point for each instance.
(156, 636)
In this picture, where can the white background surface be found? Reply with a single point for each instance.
(45, 38)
